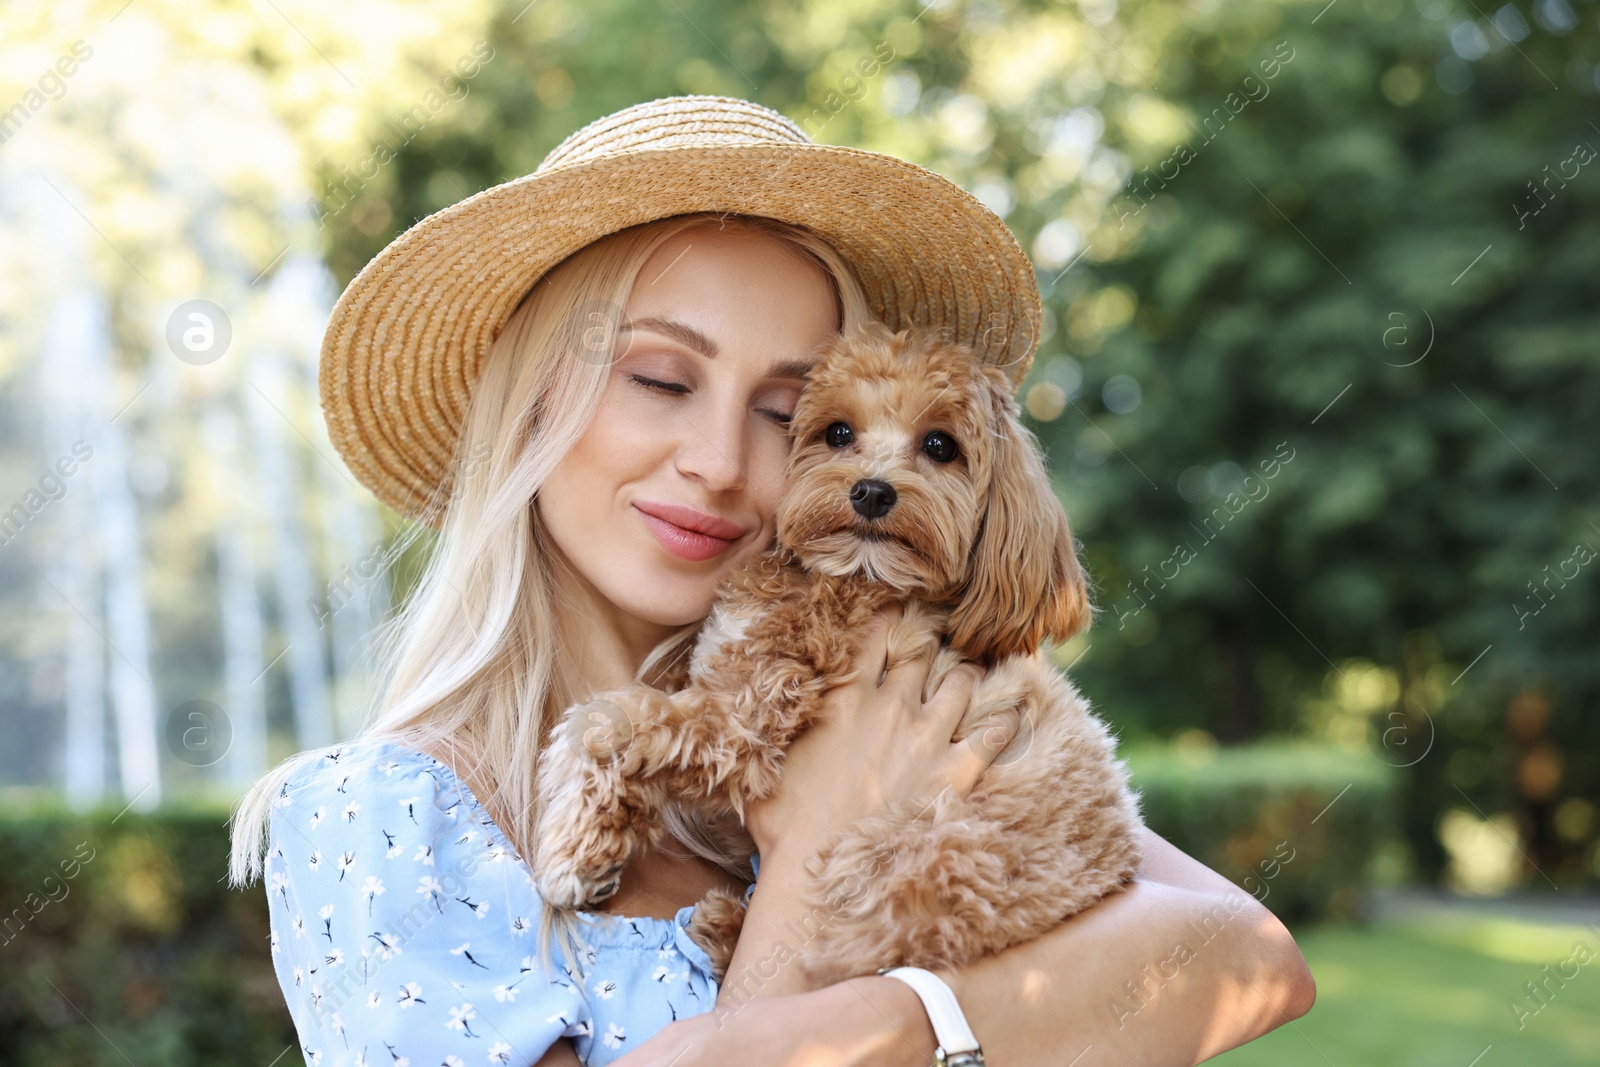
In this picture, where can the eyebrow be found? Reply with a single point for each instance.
(692, 338)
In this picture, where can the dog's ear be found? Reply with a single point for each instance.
(1024, 583)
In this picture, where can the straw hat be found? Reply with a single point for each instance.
(407, 338)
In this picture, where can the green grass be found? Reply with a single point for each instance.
(1435, 990)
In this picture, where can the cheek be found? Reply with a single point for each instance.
(768, 475)
(584, 484)
(620, 442)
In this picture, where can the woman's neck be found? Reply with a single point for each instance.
(658, 882)
(601, 646)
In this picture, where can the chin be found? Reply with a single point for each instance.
(672, 599)
(669, 591)
(878, 559)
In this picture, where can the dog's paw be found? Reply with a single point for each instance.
(598, 733)
(945, 660)
(715, 926)
(562, 884)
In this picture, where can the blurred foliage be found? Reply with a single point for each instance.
(1344, 270)
(172, 163)
(1296, 826)
(128, 921)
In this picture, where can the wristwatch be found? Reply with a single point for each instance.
(957, 1046)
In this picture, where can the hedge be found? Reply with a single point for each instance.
(122, 942)
(1295, 825)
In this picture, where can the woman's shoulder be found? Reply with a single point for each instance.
(363, 751)
(374, 800)
(382, 756)
(374, 773)
(401, 919)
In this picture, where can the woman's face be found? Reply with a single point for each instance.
(690, 429)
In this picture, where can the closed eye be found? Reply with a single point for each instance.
(651, 383)
(679, 389)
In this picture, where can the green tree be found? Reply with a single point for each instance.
(1355, 264)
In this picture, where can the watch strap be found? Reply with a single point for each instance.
(957, 1045)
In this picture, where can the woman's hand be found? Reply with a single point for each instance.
(876, 744)
(863, 1021)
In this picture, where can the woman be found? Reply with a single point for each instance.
(598, 450)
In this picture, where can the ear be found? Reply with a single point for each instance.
(1024, 583)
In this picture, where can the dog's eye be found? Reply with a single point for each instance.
(939, 446)
(838, 434)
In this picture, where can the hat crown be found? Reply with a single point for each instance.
(672, 122)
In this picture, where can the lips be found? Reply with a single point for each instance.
(688, 533)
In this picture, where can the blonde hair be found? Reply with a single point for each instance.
(474, 657)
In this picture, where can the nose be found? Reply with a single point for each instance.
(712, 450)
(872, 497)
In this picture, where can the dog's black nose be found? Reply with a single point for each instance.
(872, 497)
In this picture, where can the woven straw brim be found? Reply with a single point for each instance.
(406, 340)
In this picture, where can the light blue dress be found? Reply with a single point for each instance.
(404, 930)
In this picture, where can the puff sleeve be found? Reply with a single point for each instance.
(403, 925)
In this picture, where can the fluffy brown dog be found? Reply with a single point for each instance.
(911, 481)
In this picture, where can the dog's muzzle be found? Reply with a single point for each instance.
(872, 497)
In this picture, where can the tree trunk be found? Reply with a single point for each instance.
(75, 571)
(127, 630)
(243, 664)
(282, 496)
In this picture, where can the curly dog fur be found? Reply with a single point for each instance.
(934, 496)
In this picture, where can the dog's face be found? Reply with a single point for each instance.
(890, 463)
(911, 468)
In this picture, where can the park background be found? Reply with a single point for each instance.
(1317, 382)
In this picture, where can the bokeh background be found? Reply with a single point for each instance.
(1317, 383)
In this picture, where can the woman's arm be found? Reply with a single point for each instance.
(1178, 967)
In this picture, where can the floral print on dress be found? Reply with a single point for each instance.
(403, 930)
